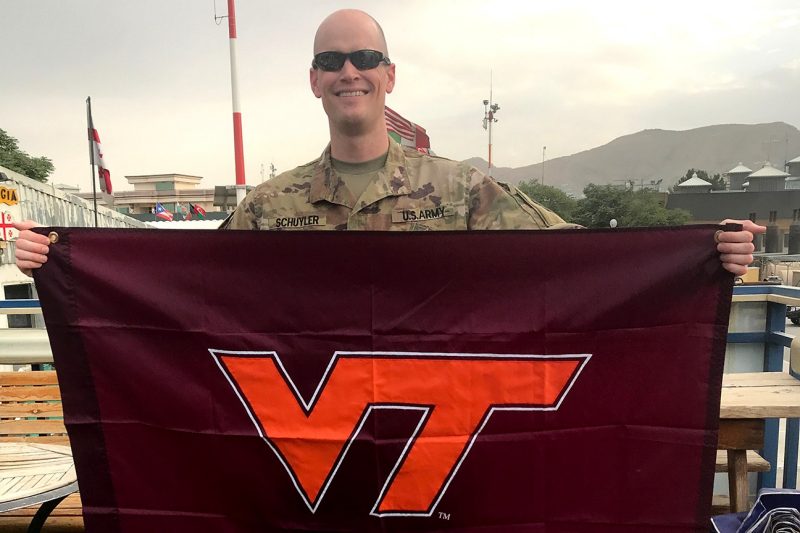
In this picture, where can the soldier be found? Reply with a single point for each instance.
(363, 180)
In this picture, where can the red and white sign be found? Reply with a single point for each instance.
(7, 231)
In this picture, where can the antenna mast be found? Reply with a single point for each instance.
(489, 109)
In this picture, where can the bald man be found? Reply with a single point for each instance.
(365, 181)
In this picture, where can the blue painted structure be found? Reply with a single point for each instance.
(6, 305)
(774, 340)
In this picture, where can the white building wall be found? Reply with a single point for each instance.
(49, 206)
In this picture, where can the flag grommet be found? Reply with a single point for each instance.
(716, 236)
(53, 236)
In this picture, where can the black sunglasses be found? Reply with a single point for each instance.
(361, 59)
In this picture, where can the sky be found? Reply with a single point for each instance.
(568, 75)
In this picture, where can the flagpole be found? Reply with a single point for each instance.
(237, 113)
(90, 125)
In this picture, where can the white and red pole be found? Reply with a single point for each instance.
(491, 119)
(237, 112)
(489, 109)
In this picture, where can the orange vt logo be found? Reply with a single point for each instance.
(455, 394)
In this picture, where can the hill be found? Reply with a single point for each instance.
(662, 154)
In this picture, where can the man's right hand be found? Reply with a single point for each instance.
(31, 248)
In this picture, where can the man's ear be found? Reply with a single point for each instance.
(390, 78)
(313, 80)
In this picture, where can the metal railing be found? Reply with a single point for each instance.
(23, 345)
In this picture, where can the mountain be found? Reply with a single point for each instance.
(662, 154)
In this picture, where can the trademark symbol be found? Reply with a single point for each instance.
(444, 516)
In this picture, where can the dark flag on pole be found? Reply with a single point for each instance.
(197, 210)
(96, 152)
(498, 381)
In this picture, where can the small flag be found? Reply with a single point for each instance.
(406, 132)
(96, 152)
(197, 210)
(185, 211)
(163, 213)
(7, 231)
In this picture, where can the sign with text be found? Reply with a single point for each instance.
(8, 196)
(509, 381)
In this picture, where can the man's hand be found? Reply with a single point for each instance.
(736, 247)
(31, 248)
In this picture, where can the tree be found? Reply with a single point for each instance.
(602, 203)
(717, 181)
(13, 158)
(551, 197)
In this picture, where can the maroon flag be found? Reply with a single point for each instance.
(559, 381)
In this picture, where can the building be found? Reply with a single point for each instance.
(751, 194)
(737, 176)
(793, 167)
(175, 192)
(22, 198)
(767, 178)
(170, 190)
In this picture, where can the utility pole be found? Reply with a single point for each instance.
(768, 151)
(786, 155)
(489, 109)
(544, 151)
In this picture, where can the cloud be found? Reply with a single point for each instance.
(570, 75)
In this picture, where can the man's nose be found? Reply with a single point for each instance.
(349, 71)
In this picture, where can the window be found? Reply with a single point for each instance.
(19, 292)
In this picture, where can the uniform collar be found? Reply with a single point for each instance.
(392, 181)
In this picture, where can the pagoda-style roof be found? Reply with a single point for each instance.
(768, 171)
(740, 169)
(795, 160)
(694, 181)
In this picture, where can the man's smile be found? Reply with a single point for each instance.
(350, 93)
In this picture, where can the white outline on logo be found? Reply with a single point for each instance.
(309, 406)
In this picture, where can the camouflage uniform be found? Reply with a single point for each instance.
(413, 192)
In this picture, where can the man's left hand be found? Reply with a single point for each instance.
(736, 247)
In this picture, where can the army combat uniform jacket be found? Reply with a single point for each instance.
(413, 192)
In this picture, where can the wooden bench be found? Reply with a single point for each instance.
(747, 400)
(35, 459)
(755, 463)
